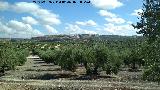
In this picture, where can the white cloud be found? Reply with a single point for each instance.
(23, 7)
(29, 20)
(51, 29)
(107, 4)
(18, 29)
(42, 17)
(107, 14)
(115, 20)
(16, 25)
(119, 29)
(137, 12)
(4, 5)
(111, 17)
(45, 16)
(75, 29)
(50, 21)
(129, 22)
(87, 23)
(115, 24)
(4, 29)
(22, 28)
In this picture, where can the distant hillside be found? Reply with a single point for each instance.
(77, 37)
(14, 39)
(60, 38)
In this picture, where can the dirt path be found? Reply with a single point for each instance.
(35, 74)
(34, 66)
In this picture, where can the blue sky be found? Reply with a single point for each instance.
(25, 19)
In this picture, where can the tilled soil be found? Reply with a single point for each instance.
(38, 75)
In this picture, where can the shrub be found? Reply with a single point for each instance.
(152, 73)
(11, 57)
(67, 59)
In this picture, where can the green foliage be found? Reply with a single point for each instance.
(47, 56)
(8, 59)
(34, 52)
(115, 62)
(67, 59)
(152, 60)
(134, 59)
(149, 26)
(11, 56)
(88, 59)
(152, 73)
(101, 57)
(95, 56)
(21, 56)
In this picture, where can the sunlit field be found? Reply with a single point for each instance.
(80, 45)
(110, 62)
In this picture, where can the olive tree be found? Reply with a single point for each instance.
(149, 26)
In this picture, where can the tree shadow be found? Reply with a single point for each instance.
(92, 77)
(2, 74)
(50, 76)
(47, 65)
(37, 60)
(56, 69)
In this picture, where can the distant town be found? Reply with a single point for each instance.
(74, 37)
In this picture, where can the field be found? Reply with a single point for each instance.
(35, 74)
(91, 64)
(97, 47)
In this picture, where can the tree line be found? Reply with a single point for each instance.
(12, 55)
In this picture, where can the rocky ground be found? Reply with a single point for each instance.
(38, 75)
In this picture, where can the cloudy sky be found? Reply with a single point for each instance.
(25, 19)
